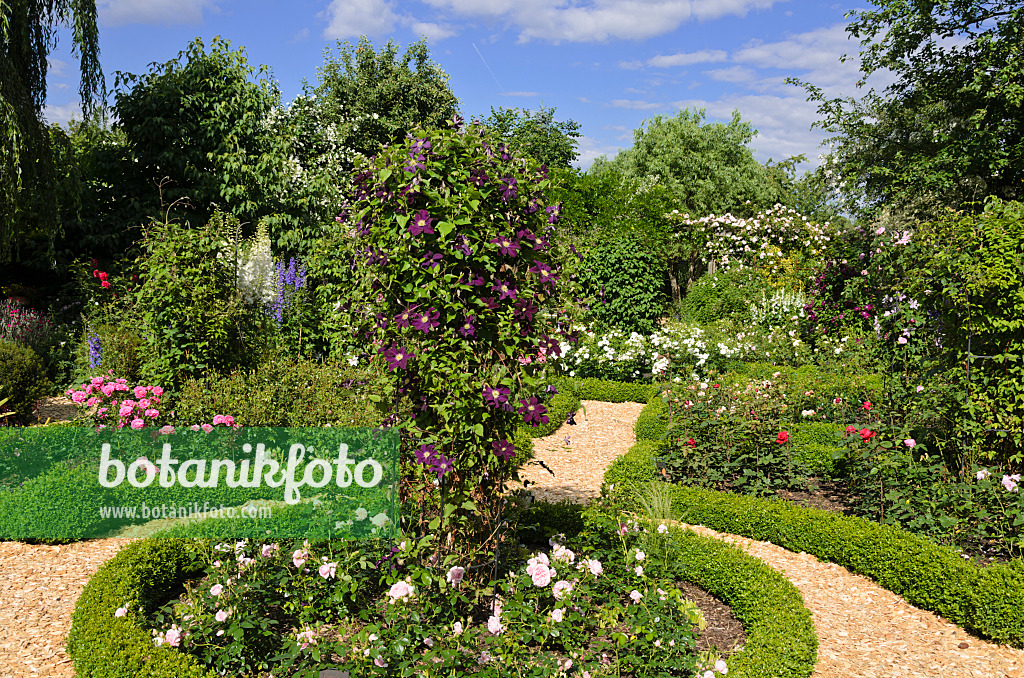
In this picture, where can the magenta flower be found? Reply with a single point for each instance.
(431, 261)
(206, 428)
(421, 223)
(503, 449)
(506, 246)
(468, 329)
(137, 423)
(496, 395)
(490, 303)
(426, 320)
(533, 411)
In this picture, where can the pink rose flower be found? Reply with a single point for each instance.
(229, 420)
(456, 575)
(157, 391)
(78, 396)
(328, 570)
(560, 589)
(494, 625)
(216, 590)
(299, 557)
(221, 615)
(206, 427)
(218, 419)
(125, 411)
(268, 550)
(173, 636)
(137, 423)
(139, 391)
(107, 389)
(541, 576)
(636, 596)
(152, 414)
(166, 430)
(400, 591)
(556, 614)
(121, 611)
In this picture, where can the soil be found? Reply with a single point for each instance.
(724, 633)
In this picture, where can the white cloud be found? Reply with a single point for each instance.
(734, 74)
(56, 67)
(153, 12)
(688, 58)
(354, 18)
(434, 32)
(631, 65)
(598, 20)
(520, 94)
(635, 105)
(300, 36)
(60, 115)
(588, 149)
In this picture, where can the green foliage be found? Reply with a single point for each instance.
(61, 502)
(723, 295)
(615, 391)
(287, 392)
(197, 125)
(708, 168)
(948, 130)
(383, 96)
(33, 156)
(23, 380)
(781, 640)
(537, 135)
(123, 350)
(928, 576)
(141, 577)
(652, 424)
(624, 281)
(192, 321)
(633, 470)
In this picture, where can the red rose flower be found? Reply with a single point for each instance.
(851, 429)
(783, 437)
(866, 435)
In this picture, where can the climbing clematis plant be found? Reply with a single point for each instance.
(454, 233)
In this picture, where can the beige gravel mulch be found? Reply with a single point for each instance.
(38, 588)
(864, 631)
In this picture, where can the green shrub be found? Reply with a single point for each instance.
(722, 295)
(652, 424)
(624, 281)
(781, 640)
(62, 503)
(141, 577)
(988, 602)
(615, 391)
(23, 381)
(633, 469)
(287, 392)
(523, 443)
(545, 519)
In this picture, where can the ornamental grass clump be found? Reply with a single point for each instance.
(452, 234)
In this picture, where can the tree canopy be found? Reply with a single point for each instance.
(707, 167)
(29, 198)
(950, 128)
(537, 134)
(379, 97)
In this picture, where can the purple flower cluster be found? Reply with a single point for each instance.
(427, 455)
(95, 351)
(290, 279)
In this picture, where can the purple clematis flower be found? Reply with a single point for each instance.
(441, 464)
(425, 453)
(426, 320)
(496, 395)
(533, 411)
(490, 303)
(525, 309)
(468, 329)
(506, 246)
(415, 163)
(509, 189)
(421, 223)
(431, 261)
(503, 449)
(403, 319)
(554, 212)
(504, 290)
(398, 357)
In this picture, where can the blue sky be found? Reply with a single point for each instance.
(608, 64)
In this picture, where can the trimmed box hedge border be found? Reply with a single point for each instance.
(781, 640)
(986, 601)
